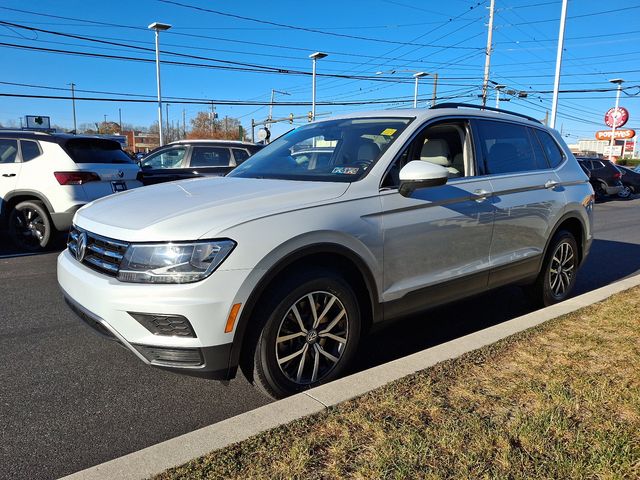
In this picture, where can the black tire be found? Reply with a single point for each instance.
(263, 361)
(599, 191)
(626, 192)
(30, 227)
(555, 284)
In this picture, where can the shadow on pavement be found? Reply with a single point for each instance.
(9, 250)
(608, 261)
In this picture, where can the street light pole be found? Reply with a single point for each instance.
(556, 80)
(619, 82)
(435, 89)
(159, 27)
(315, 57)
(415, 88)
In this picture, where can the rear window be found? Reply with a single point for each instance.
(95, 150)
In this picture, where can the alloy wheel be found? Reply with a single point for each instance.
(562, 269)
(29, 227)
(312, 337)
(625, 192)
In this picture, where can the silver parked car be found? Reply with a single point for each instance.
(282, 265)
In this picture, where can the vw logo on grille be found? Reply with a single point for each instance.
(81, 246)
(120, 174)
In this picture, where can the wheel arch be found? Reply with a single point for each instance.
(17, 196)
(575, 224)
(326, 255)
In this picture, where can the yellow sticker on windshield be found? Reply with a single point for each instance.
(388, 131)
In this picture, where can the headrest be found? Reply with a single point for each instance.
(436, 151)
(368, 152)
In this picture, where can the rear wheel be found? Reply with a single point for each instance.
(307, 334)
(625, 192)
(558, 275)
(30, 227)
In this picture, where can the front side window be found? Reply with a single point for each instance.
(169, 158)
(443, 144)
(8, 150)
(210, 157)
(30, 150)
(332, 151)
(507, 148)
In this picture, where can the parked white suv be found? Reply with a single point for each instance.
(282, 265)
(45, 178)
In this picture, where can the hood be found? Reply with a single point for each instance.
(189, 209)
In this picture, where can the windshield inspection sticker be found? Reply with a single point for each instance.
(346, 170)
(388, 132)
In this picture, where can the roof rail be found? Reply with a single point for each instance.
(480, 107)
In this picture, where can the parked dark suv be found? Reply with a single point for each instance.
(194, 158)
(630, 181)
(604, 176)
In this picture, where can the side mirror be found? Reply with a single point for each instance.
(420, 174)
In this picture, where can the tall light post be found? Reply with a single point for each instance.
(556, 80)
(417, 76)
(315, 57)
(619, 82)
(498, 88)
(159, 27)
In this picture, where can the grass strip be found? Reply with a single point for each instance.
(561, 400)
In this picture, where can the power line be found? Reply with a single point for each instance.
(304, 29)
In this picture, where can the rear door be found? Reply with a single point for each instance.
(115, 170)
(10, 166)
(526, 195)
(216, 161)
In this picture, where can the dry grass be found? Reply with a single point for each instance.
(558, 401)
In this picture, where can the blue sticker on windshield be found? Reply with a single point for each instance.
(346, 170)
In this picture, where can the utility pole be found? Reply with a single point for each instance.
(73, 104)
(435, 89)
(487, 61)
(212, 116)
(120, 118)
(166, 106)
(556, 81)
(253, 131)
(184, 123)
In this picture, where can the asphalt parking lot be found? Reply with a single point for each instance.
(70, 400)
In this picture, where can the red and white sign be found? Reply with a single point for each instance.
(619, 135)
(618, 117)
(629, 147)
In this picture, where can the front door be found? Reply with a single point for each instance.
(437, 242)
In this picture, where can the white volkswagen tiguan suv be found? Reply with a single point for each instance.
(281, 266)
(45, 178)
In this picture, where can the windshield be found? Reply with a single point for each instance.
(331, 151)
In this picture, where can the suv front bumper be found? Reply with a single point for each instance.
(106, 304)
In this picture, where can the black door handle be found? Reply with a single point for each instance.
(8, 174)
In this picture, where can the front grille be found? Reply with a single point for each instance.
(101, 254)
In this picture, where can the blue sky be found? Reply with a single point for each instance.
(449, 37)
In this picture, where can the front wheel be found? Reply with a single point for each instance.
(30, 227)
(558, 275)
(309, 333)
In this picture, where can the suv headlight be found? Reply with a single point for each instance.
(173, 262)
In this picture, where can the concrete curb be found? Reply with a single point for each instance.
(176, 451)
